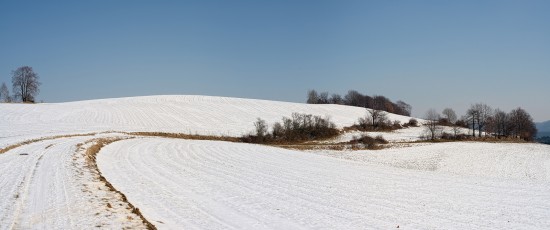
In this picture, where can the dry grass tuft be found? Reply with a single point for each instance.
(304, 147)
(91, 154)
(466, 138)
(185, 136)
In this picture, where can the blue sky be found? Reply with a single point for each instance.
(431, 54)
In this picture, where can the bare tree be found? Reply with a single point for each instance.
(521, 124)
(25, 83)
(323, 98)
(450, 115)
(261, 127)
(431, 124)
(5, 93)
(379, 102)
(378, 117)
(499, 120)
(404, 108)
(355, 98)
(484, 113)
(336, 99)
(312, 97)
(478, 115)
(471, 118)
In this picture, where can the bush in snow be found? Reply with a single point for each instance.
(297, 128)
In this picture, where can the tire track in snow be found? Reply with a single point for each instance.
(58, 191)
(15, 184)
(23, 191)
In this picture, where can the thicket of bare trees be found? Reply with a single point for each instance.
(520, 124)
(480, 118)
(297, 128)
(517, 123)
(498, 123)
(449, 115)
(374, 120)
(432, 124)
(354, 98)
(478, 115)
(25, 84)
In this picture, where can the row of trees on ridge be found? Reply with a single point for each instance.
(482, 119)
(354, 98)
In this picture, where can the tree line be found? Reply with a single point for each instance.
(482, 119)
(25, 86)
(354, 98)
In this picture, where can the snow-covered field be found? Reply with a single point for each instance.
(219, 185)
(182, 114)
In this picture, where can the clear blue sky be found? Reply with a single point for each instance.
(431, 54)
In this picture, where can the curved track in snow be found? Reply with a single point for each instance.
(218, 185)
(46, 185)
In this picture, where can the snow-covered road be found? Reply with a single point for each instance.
(46, 185)
(219, 185)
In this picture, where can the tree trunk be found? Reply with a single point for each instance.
(479, 130)
(473, 128)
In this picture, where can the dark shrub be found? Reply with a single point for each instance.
(413, 122)
(380, 139)
(447, 136)
(461, 123)
(368, 141)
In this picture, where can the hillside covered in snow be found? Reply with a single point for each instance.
(55, 174)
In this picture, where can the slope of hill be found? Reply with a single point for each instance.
(182, 114)
(55, 182)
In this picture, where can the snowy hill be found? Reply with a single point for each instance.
(205, 115)
(192, 184)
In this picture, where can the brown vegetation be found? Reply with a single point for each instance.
(368, 142)
(186, 136)
(445, 137)
(298, 128)
(91, 154)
